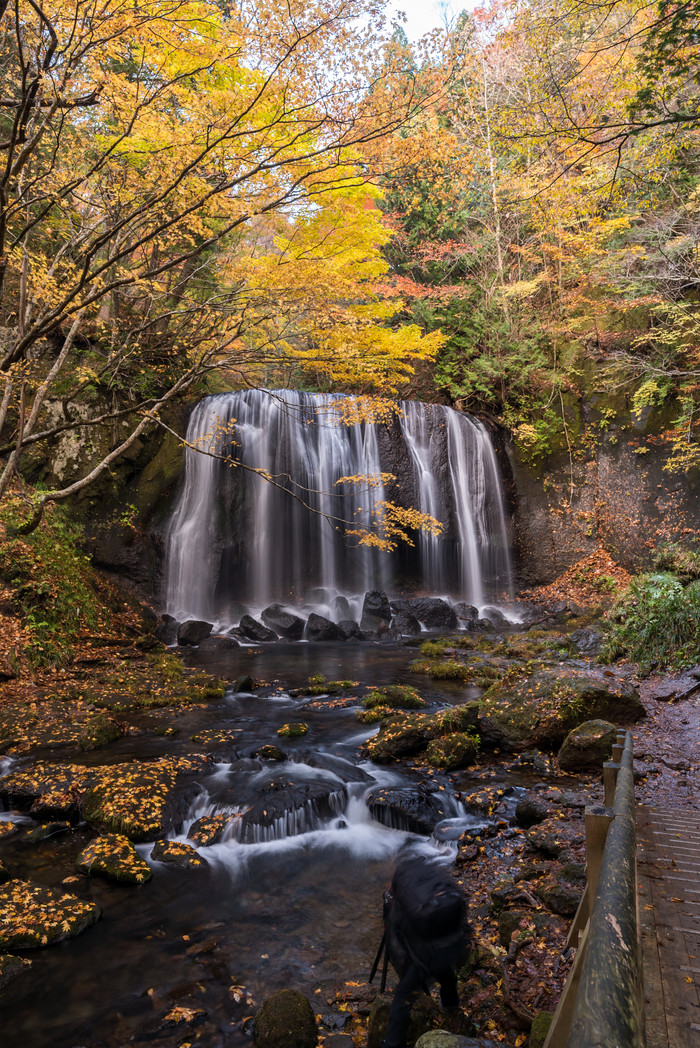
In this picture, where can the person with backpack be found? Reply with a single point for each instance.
(426, 938)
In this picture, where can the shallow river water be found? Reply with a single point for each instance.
(302, 911)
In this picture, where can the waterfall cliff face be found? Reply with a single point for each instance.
(261, 518)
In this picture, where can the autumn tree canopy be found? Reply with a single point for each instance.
(182, 189)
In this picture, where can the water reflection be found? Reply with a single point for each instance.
(285, 911)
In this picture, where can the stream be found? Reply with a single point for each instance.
(297, 904)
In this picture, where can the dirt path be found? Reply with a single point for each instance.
(667, 745)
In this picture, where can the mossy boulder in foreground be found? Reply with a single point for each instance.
(540, 708)
(588, 746)
(285, 1020)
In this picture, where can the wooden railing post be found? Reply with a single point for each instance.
(601, 1005)
(598, 819)
(610, 770)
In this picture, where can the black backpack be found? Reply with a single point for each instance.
(425, 918)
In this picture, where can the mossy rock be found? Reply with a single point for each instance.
(99, 731)
(217, 736)
(285, 1020)
(130, 798)
(405, 735)
(445, 1039)
(32, 915)
(540, 707)
(396, 695)
(540, 1029)
(558, 896)
(114, 857)
(452, 751)
(294, 730)
(588, 746)
(270, 752)
(47, 789)
(46, 830)
(11, 967)
(510, 921)
(176, 853)
(373, 716)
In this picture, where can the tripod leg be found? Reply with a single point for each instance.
(377, 958)
(382, 985)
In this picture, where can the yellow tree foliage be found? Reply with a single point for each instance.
(182, 191)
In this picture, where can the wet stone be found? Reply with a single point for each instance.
(293, 730)
(270, 752)
(193, 632)
(319, 628)
(283, 622)
(414, 810)
(33, 915)
(176, 853)
(350, 629)
(48, 829)
(114, 856)
(208, 829)
(253, 630)
(11, 967)
(245, 684)
(217, 736)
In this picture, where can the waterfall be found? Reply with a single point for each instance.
(260, 517)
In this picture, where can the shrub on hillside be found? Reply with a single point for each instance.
(656, 621)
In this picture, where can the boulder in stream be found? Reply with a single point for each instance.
(286, 625)
(416, 810)
(405, 625)
(289, 808)
(114, 856)
(253, 630)
(208, 830)
(285, 1020)
(176, 853)
(376, 611)
(541, 708)
(166, 630)
(351, 629)
(320, 628)
(452, 751)
(33, 915)
(403, 735)
(193, 632)
(433, 612)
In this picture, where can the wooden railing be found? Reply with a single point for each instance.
(602, 1003)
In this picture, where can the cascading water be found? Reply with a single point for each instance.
(261, 517)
